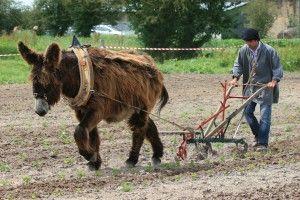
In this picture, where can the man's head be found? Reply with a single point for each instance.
(251, 37)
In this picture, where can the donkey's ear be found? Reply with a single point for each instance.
(53, 55)
(29, 56)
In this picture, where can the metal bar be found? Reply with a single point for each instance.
(215, 140)
(211, 117)
(220, 140)
(238, 97)
(178, 132)
(225, 98)
(232, 115)
(213, 121)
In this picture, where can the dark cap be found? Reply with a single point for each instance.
(250, 34)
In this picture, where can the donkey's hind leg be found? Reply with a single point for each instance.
(157, 146)
(137, 123)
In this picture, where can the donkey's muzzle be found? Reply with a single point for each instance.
(41, 107)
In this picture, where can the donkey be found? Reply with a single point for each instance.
(133, 87)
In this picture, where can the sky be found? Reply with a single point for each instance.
(26, 2)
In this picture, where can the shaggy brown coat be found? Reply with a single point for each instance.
(124, 76)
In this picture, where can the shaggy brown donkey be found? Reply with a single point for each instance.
(127, 77)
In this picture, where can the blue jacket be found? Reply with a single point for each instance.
(268, 68)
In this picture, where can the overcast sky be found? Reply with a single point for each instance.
(26, 2)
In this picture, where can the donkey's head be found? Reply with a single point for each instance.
(44, 75)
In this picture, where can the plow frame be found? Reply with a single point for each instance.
(216, 134)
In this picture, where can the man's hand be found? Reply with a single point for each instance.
(272, 84)
(234, 82)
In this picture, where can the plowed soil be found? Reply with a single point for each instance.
(39, 158)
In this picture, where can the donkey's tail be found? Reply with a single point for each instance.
(164, 98)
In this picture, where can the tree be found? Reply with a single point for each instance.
(261, 15)
(52, 16)
(10, 15)
(86, 14)
(177, 23)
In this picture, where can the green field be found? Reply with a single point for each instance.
(14, 70)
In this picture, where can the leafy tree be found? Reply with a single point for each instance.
(10, 15)
(52, 16)
(177, 23)
(86, 14)
(261, 15)
(237, 25)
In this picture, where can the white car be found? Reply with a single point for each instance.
(106, 29)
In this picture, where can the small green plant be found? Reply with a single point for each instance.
(26, 179)
(222, 158)
(126, 187)
(177, 177)
(207, 161)
(149, 168)
(194, 176)
(4, 167)
(18, 141)
(61, 175)
(251, 166)
(37, 164)
(218, 145)
(192, 164)
(65, 137)
(45, 124)
(46, 143)
(10, 196)
(288, 129)
(23, 156)
(57, 192)
(33, 196)
(69, 161)
(54, 153)
(98, 173)
(174, 141)
(210, 172)
(184, 115)
(170, 166)
(80, 173)
(115, 171)
(4, 182)
(241, 170)
(281, 162)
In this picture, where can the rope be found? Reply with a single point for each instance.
(151, 49)
(168, 49)
(8, 55)
(140, 109)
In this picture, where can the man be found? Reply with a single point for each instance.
(259, 64)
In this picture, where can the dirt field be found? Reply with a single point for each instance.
(39, 158)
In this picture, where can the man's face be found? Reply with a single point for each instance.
(253, 44)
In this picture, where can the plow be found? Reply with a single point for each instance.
(209, 131)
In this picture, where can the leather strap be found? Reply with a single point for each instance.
(86, 77)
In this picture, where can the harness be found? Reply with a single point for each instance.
(86, 77)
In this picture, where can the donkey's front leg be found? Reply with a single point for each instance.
(87, 137)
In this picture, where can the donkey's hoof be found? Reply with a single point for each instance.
(156, 162)
(93, 166)
(130, 163)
